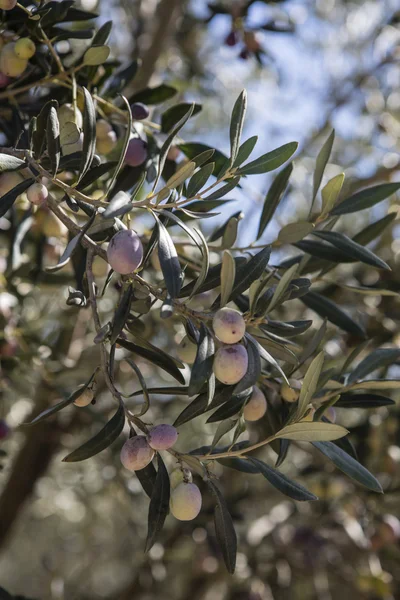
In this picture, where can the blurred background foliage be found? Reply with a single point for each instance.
(76, 531)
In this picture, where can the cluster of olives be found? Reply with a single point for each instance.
(14, 56)
(138, 452)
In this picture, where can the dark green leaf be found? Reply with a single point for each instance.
(199, 179)
(102, 440)
(169, 261)
(39, 135)
(147, 478)
(351, 467)
(380, 357)
(365, 198)
(239, 464)
(53, 139)
(224, 528)
(223, 190)
(159, 504)
(10, 163)
(212, 280)
(288, 329)
(245, 150)
(172, 115)
(352, 249)
(326, 308)
(121, 313)
(362, 401)
(120, 204)
(249, 272)
(203, 364)
(89, 134)
(236, 126)
(253, 369)
(54, 409)
(124, 147)
(230, 408)
(154, 95)
(323, 251)
(157, 357)
(282, 483)
(270, 161)
(273, 197)
(371, 232)
(168, 143)
(193, 149)
(120, 79)
(8, 199)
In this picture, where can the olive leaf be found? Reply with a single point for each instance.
(53, 139)
(273, 197)
(159, 504)
(102, 440)
(224, 528)
(89, 134)
(169, 261)
(10, 197)
(311, 431)
(282, 483)
(365, 198)
(310, 384)
(228, 270)
(236, 126)
(203, 363)
(270, 161)
(321, 162)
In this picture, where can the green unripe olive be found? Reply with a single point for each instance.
(85, 398)
(7, 4)
(67, 114)
(185, 501)
(187, 350)
(229, 325)
(162, 437)
(102, 128)
(25, 48)
(178, 476)
(136, 453)
(256, 406)
(37, 194)
(230, 363)
(290, 393)
(8, 181)
(10, 64)
(125, 251)
(105, 144)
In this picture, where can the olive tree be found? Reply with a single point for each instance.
(85, 165)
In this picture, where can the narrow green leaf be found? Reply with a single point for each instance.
(155, 95)
(212, 280)
(310, 384)
(10, 163)
(312, 431)
(282, 483)
(326, 308)
(172, 115)
(159, 504)
(273, 197)
(294, 232)
(168, 142)
(365, 198)
(270, 161)
(199, 179)
(156, 356)
(102, 440)
(181, 175)
(169, 261)
(228, 271)
(57, 407)
(282, 287)
(330, 193)
(349, 465)
(53, 139)
(121, 313)
(224, 528)
(124, 148)
(8, 199)
(249, 272)
(245, 150)
(363, 401)
(266, 356)
(96, 55)
(321, 162)
(203, 363)
(89, 134)
(377, 384)
(379, 358)
(236, 126)
(223, 428)
(253, 372)
(350, 247)
(223, 190)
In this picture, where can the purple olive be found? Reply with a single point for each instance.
(125, 251)
(4, 429)
(162, 437)
(139, 111)
(232, 38)
(136, 153)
